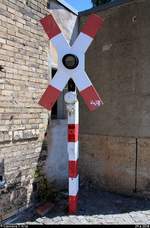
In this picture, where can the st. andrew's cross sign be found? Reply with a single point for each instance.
(71, 62)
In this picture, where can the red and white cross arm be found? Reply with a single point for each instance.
(88, 32)
(87, 91)
(83, 41)
(54, 90)
(58, 83)
(53, 32)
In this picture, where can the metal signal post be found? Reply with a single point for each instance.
(73, 149)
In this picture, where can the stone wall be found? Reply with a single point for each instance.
(23, 79)
(115, 138)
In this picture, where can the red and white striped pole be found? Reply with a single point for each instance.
(73, 150)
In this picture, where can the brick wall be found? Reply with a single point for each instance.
(23, 78)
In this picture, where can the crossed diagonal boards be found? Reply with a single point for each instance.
(71, 62)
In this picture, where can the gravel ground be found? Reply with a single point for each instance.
(94, 207)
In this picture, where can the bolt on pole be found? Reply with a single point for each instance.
(73, 149)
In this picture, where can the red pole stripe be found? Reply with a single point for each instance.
(73, 132)
(50, 26)
(73, 204)
(49, 97)
(92, 25)
(73, 169)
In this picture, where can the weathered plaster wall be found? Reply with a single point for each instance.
(109, 162)
(118, 63)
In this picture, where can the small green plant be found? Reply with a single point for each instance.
(44, 191)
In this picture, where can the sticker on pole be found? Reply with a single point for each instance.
(71, 62)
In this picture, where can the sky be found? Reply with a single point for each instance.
(80, 5)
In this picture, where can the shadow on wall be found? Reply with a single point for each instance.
(41, 189)
(75, 32)
(12, 197)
